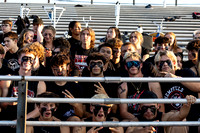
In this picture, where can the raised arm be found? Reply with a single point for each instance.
(180, 115)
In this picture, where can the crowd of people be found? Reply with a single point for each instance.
(38, 52)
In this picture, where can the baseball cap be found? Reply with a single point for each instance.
(37, 21)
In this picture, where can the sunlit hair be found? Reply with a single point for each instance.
(26, 50)
(174, 45)
(7, 22)
(169, 54)
(131, 54)
(138, 35)
(11, 35)
(102, 96)
(39, 49)
(115, 42)
(92, 35)
(22, 37)
(193, 45)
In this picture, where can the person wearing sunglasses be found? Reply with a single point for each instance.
(133, 65)
(150, 112)
(100, 113)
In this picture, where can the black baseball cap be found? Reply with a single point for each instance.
(37, 21)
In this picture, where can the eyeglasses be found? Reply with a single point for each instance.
(50, 35)
(133, 63)
(98, 107)
(145, 108)
(26, 59)
(93, 64)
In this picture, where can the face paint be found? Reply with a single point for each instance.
(169, 63)
(98, 107)
(133, 63)
(43, 109)
(159, 47)
(152, 108)
(93, 64)
(26, 59)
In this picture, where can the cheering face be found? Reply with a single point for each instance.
(47, 110)
(149, 111)
(76, 29)
(26, 61)
(110, 34)
(48, 35)
(96, 67)
(61, 70)
(133, 66)
(165, 64)
(100, 112)
(29, 37)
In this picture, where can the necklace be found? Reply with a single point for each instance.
(137, 88)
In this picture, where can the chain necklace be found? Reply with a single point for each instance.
(137, 88)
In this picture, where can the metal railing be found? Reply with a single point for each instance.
(22, 101)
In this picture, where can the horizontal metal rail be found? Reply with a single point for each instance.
(103, 124)
(106, 101)
(113, 123)
(8, 99)
(98, 79)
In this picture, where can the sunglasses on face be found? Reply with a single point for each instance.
(145, 108)
(98, 107)
(50, 35)
(93, 64)
(169, 63)
(133, 63)
(26, 59)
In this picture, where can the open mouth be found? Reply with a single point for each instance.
(100, 115)
(47, 114)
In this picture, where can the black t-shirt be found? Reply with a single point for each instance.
(134, 94)
(151, 59)
(188, 64)
(74, 45)
(41, 129)
(4, 70)
(1, 38)
(65, 110)
(144, 51)
(177, 90)
(11, 60)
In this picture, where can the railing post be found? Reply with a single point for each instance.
(48, 1)
(176, 1)
(133, 2)
(91, 2)
(22, 106)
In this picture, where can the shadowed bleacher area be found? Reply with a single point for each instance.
(103, 16)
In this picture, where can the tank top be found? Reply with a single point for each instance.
(133, 92)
